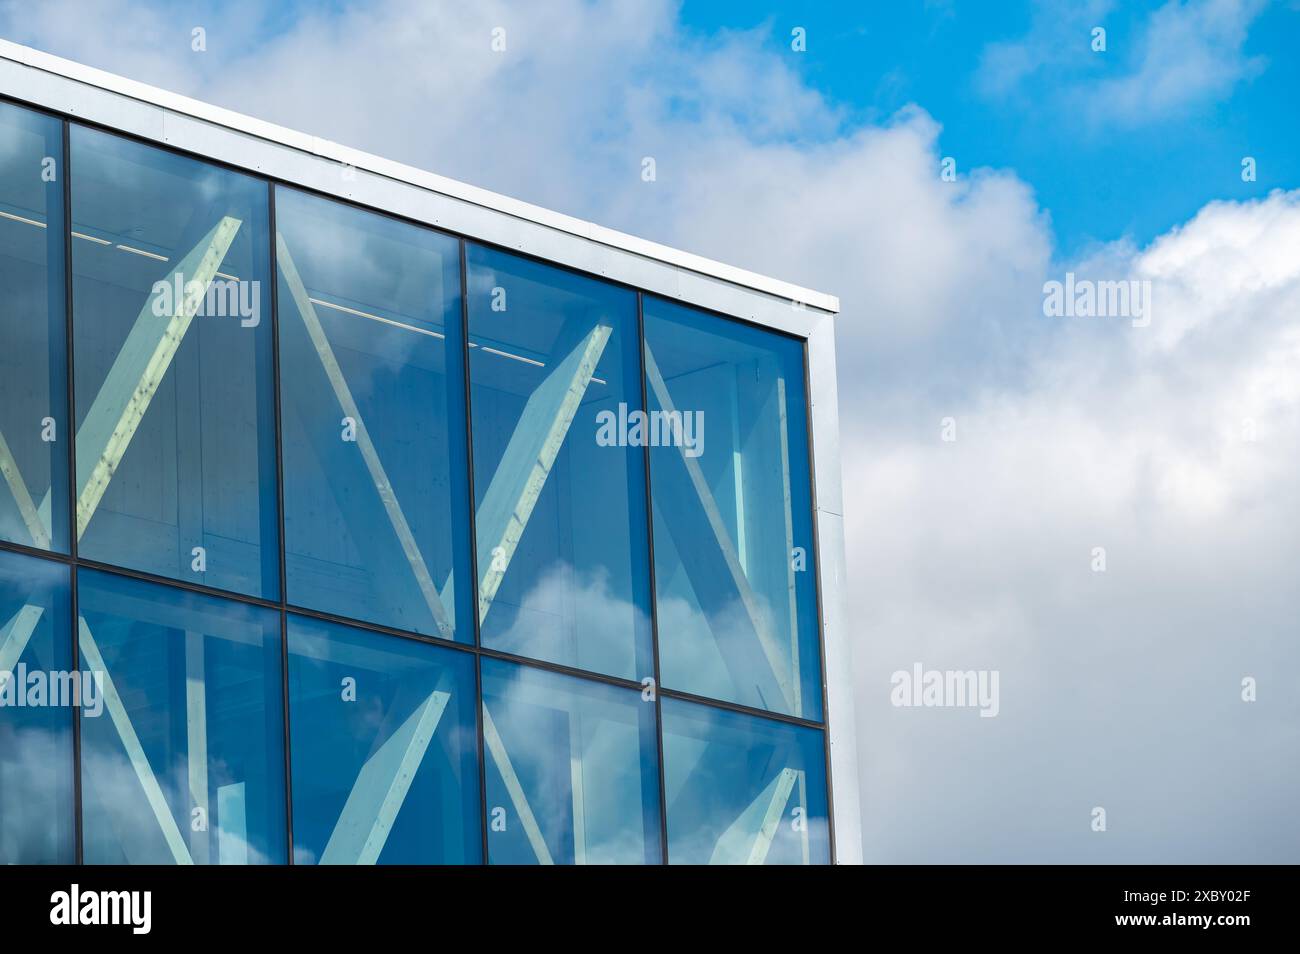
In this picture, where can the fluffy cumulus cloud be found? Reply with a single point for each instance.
(1172, 446)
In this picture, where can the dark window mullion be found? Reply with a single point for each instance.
(69, 435)
(654, 595)
(282, 549)
(473, 550)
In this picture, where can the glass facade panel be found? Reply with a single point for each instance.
(384, 748)
(186, 762)
(571, 770)
(33, 329)
(373, 395)
(561, 524)
(734, 568)
(741, 789)
(175, 415)
(36, 702)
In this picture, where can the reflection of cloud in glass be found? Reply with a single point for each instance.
(126, 820)
(573, 617)
(604, 744)
(35, 773)
(690, 654)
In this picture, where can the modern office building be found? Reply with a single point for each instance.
(351, 514)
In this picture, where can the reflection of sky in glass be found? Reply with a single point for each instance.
(33, 491)
(742, 790)
(734, 568)
(199, 725)
(183, 452)
(584, 757)
(570, 763)
(376, 520)
(384, 747)
(35, 742)
(550, 352)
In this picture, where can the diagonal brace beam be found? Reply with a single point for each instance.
(36, 523)
(534, 445)
(16, 634)
(733, 572)
(134, 750)
(375, 467)
(381, 787)
(497, 749)
(750, 836)
(138, 371)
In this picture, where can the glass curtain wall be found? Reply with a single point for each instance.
(514, 500)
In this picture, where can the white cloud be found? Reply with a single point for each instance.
(1059, 38)
(1191, 51)
(1184, 54)
(1117, 689)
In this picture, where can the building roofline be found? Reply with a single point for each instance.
(410, 175)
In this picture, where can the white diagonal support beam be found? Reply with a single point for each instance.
(134, 750)
(36, 526)
(497, 749)
(528, 459)
(749, 838)
(377, 795)
(734, 573)
(15, 635)
(375, 467)
(138, 371)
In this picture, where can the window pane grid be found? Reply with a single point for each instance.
(504, 716)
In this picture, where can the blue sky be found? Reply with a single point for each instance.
(1099, 180)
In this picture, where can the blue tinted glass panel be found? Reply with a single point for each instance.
(384, 747)
(729, 474)
(186, 762)
(571, 770)
(36, 699)
(172, 333)
(561, 522)
(373, 396)
(33, 324)
(741, 789)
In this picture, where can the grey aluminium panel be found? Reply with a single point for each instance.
(837, 635)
